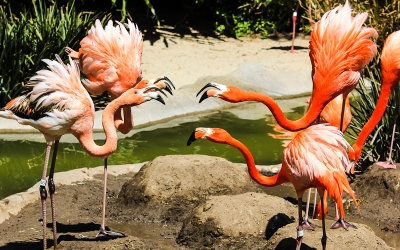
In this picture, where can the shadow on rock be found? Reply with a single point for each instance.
(276, 222)
(290, 243)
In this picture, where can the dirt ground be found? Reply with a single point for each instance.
(79, 217)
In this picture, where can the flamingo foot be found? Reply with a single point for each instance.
(294, 51)
(107, 235)
(387, 164)
(343, 224)
(307, 225)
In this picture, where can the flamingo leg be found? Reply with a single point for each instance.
(52, 190)
(294, 28)
(314, 214)
(300, 233)
(306, 223)
(389, 163)
(43, 191)
(103, 234)
(336, 212)
(323, 239)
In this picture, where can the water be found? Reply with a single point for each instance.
(21, 161)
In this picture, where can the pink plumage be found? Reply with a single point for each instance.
(340, 47)
(110, 57)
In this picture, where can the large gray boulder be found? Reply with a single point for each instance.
(172, 185)
(232, 219)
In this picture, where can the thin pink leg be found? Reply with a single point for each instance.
(336, 212)
(314, 214)
(52, 190)
(389, 163)
(294, 28)
(103, 233)
(43, 192)
(306, 223)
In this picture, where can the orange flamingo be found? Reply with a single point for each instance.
(312, 159)
(339, 49)
(390, 68)
(59, 104)
(110, 58)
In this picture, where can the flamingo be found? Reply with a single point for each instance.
(59, 104)
(330, 114)
(339, 49)
(312, 159)
(110, 58)
(390, 68)
(294, 17)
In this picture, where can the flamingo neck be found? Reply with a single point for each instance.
(86, 138)
(302, 123)
(375, 117)
(253, 172)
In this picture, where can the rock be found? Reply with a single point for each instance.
(361, 238)
(379, 190)
(180, 182)
(228, 219)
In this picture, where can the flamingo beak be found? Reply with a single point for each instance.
(192, 138)
(203, 97)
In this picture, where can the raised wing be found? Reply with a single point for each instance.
(340, 48)
(111, 57)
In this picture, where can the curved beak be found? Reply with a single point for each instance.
(191, 139)
(210, 84)
(203, 97)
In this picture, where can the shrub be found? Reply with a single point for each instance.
(31, 36)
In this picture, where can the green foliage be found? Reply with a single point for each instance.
(31, 36)
(246, 17)
(377, 145)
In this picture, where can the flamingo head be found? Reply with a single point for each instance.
(226, 93)
(139, 96)
(354, 156)
(217, 135)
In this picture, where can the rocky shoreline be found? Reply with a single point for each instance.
(180, 202)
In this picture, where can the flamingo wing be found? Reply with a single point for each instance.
(339, 49)
(390, 60)
(110, 57)
(316, 157)
(56, 101)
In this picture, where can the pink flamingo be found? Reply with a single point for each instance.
(390, 68)
(110, 58)
(59, 104)
(312, 159)
(339, 49)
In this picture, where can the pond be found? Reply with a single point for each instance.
(21, 161)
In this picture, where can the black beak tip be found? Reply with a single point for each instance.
(203, 97)
(191, 139)
(160, 99)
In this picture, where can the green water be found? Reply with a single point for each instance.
(21, 162)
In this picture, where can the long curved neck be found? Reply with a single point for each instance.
(311, 115)
(255, 175)
(86, 138)
(376, 115)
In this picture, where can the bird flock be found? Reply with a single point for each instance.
(317, 157)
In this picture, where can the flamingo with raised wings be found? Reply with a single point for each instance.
(110, 57)
(312, 159)
(390, 71)
(59, 104)
(339, 50)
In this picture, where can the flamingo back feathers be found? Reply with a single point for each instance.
(111, 57)
(317, 157)
(340, 48)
